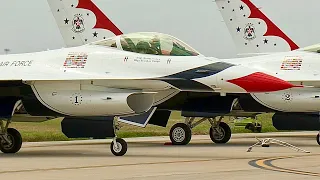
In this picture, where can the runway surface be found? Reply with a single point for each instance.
(149, 158)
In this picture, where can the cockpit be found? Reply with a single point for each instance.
(149, 43)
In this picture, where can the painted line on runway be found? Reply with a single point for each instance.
(113, 165)
(104, 166)
(266, 164)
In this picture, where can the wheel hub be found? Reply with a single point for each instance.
(178, 134)
(7, 145)
(117, 148)
(218, 133)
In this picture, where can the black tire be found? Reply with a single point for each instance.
(250, 126)
(16, 139)
(318, 139)
(122, 147)
(224, 137)
(180, 134)
(258, 128)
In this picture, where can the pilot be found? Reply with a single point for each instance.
(145, 47)
(155, 45)
(126, 46)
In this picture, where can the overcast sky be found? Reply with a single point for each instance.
(28, 26)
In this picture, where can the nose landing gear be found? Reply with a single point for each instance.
(118, 146)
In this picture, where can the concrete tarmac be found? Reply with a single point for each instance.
(149, 158)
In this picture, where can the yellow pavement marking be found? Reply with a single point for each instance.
(266, 164)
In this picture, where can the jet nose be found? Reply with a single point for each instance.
(261, 82)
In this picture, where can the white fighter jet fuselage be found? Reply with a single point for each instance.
(99, 80)
(133, 74)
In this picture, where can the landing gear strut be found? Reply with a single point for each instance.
(318, 138)
(10, 139)
(180, 133)
(118, 146)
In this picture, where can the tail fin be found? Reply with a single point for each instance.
(251, 30)
(81, 21)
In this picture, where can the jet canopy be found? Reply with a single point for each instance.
(149, 43)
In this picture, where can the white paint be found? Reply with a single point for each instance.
(291, 100)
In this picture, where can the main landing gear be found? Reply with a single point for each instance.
(10, 139)
(180, 133)
(118, 146)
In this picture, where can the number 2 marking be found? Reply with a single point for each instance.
(287, 97)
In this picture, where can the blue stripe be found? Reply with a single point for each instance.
(185, 80)
(200, 72)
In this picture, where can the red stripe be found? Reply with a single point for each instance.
(102, 22)
(261, 82)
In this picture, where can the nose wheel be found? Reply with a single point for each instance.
(118, 147)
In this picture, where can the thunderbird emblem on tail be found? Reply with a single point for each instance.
(249, 32)
(78, 24)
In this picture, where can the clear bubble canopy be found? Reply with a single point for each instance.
(149, 43)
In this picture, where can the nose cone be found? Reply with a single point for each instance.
(261, 82)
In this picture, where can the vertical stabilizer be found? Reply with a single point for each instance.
(251, 30)
(81, 21)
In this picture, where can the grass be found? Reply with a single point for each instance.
(51, 130)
